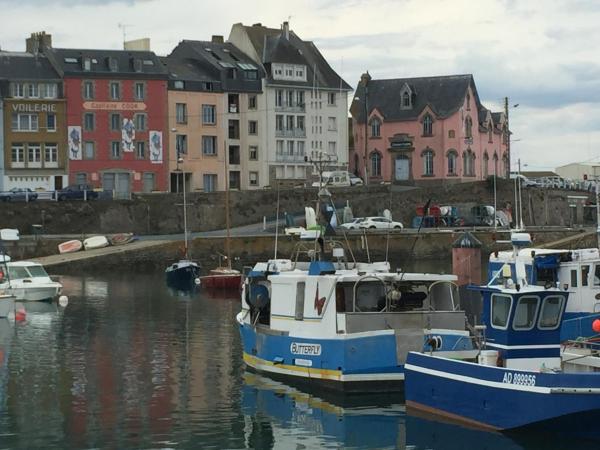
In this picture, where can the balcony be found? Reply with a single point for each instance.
(291, 108)
(293, 133)
(295, 158)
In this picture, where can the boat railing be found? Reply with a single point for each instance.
(362, 279)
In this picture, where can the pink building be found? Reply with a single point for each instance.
(426, 130)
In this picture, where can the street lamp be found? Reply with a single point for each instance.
(365, 156)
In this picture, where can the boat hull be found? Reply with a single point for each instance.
(35, 293)
(182, 274)
(233, 281)
(366, 363)
(95, 242)
(121, 239)
(70, 246)
(501, 399)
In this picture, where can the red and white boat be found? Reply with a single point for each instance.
(121, 239)
(70, 246)
(222, 278)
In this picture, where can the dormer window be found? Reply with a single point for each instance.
(468, 127)
(87, 64)
(490, 132)
(406, 100)
(113, 64)
(427, 125)
(468, 101)
(375, 127)
(137, 65)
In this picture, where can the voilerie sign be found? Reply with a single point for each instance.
(34, 107)
(115, 106)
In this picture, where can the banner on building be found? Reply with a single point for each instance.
(156, 147)
(127, 135)
(74, 136)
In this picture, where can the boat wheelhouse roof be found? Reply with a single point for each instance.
(524, 254)
(24, 264)
(353, 275)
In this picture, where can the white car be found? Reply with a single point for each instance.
(353, 225)
(355, 180)
(380, 223)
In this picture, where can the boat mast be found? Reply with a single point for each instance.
(185, 233)
(228, 236)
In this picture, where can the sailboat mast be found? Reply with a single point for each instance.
(227, 239)
(185, 233)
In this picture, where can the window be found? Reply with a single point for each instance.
(115, 122)
(452, 156)
(113, 64)
(51, 90)
(253, 156)
(251, 74)
(139, 91)
(552, 307)
(50, 154)
(88, 122)
(88, 150)
(451, 134)
(500, 310)
(278, 98)
(375, 164)
(209, 182)
(490, 133)
(88, 90)
(87, 64)
(279, 147)
(140, 149)
(18, 90)
(331, 147)
(300, 148)
(427, 125)
(468, 127)
(289, 98)
(209, 114)
(148, 182)
(597, 275)
(332, 125)
(253, 178)
(289, 123)
(375, 128)
(300, 123)
(209, 145)
(181, 144)
(574, 278)
(50, 122)
(81, 178)
(252, 127)
(279, 122)
(300, 99)
(140, 122)
(468, 101)
(486, 161)
(525, 313)
(115, 90)
(427, 156)
(115, 150)
(331, 98)
(252, 102)
(18, 153)
(468, 163)
(24, 122)
(181, 113)
(34, 153)
(406, 99)
(178, 84)
(33, 91)
(290, 147)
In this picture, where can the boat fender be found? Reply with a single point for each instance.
(1, 275)
(435, 342)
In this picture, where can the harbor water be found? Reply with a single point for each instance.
(129, 363)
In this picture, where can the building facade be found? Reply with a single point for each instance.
(305, 102)
(216, 113)
(426, 130)
(117, 124)
(33, 123)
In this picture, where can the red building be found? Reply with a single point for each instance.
(117, 119)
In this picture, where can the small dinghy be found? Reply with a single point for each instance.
(70, 246)
(95, 242)
(121, 239)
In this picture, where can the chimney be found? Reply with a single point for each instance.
(137, 45)
(286, 29)
(217, 39)
(257, 24)
(365, 78)
(37, 42)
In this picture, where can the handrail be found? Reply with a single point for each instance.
(454, 306)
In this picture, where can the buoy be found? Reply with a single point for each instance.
(20, 313)
(197, 281)
(63, 300)
(596, 326)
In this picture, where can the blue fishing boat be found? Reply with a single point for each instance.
(518, 379)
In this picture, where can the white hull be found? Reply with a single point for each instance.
(35, 293)
(95, 242)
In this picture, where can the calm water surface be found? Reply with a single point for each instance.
(131, 364)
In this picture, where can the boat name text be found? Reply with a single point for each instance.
(298, 348)
(522, 379)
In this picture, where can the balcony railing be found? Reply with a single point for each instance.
(294, 133)
(295, 158)
(291, 108)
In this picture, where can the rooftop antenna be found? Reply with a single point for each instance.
(123, 27)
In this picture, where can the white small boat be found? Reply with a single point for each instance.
(95, 242)
(70, 246)
(29, 281)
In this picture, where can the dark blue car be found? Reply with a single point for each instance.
(18, 195)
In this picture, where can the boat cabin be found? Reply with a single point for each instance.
(522, 325)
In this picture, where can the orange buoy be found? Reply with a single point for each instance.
(596, 326)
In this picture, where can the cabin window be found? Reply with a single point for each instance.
(574, 278)
(501, 305)
(300, 300)
(552, 307)
(597, 275)
(525, 313)
(585, 271)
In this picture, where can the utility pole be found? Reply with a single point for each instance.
(507, 135)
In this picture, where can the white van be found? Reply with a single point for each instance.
(337, 178)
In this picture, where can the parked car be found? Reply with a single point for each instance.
(77, 192)
(380, 223)
(353, 225)
(336, 178)
(355, 180)
(18, 195)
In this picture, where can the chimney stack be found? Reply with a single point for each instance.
(365, 78)
(286, 30)
(37, 42)
(217, 39)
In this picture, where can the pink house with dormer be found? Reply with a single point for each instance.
(426, 130)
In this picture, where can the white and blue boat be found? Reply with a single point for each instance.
(518, 379)
(346, 326)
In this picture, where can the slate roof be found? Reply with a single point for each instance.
(443, 94)
(191, 72)
(69, 62)
(26, 66)
(274, 47)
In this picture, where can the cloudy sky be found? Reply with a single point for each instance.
(543, 54)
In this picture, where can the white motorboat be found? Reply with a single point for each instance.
(29, 281)
(95, 242)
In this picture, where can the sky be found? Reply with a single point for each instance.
(544, 55)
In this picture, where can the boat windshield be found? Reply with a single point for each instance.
(17, 272)
(37, 271)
